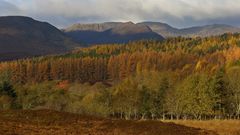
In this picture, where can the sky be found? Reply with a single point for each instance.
(178, 13)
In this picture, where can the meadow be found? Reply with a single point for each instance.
(221, 127)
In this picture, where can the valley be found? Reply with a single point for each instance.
(118, 78)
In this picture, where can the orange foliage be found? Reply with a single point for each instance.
(63, 85)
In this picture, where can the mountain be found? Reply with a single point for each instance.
(201, 31)
(209, 30)
(110, 32)
(118, 32)
(162, 28)
(24, 37)
(99, 27)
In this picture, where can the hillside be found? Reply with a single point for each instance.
(110, 33)
(99, 27)
(209, 30)
(201, 31)
(24, 37)
(164, 29)
(141, 79)
(55, 123)
(83, 32)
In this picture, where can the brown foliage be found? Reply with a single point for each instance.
(54, 123)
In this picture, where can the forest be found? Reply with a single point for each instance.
(178, 78)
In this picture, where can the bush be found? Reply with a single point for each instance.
(7, 96)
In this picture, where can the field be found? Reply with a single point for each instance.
(46, 122)
(221, 127)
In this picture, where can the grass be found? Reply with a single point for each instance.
(221, 127)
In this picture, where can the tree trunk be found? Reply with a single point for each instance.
(135, 114)
(143, 116)
(163, 116)
(178, 116)
(152, 115)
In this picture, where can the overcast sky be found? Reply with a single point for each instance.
(178, 13)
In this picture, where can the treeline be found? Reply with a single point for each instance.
(164, 95)
(115, 62)
(179, 78)
(146, 95)
(93, 70)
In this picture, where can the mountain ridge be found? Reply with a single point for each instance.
(110, 32)
(201, 31)
(22, 37)
(163, 29)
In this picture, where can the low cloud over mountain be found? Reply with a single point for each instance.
(180, 13)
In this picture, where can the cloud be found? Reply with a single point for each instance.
(177, 12)
(7, 8)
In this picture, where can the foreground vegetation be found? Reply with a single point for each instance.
(46, 122)
(221, 127)
(179, 78)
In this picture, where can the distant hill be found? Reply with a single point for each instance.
(111, 32)
(118, 32)
(163, 29)
(24, 37)
(209, 30)
(99, 27)
(201, 31)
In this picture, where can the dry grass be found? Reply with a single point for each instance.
(221, 127)
(55, 123)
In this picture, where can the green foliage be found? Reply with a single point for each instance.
(176, 78)
(45, 95)
(145, 102)
(194, 96)
(7, 92)
(233, 95)
(219, 88)
(7, 89)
